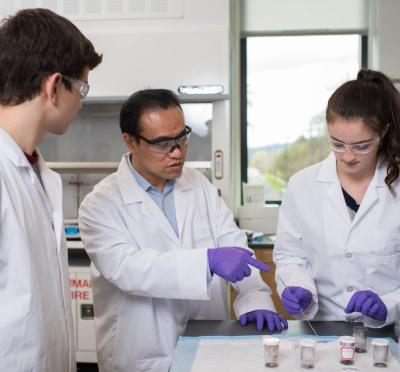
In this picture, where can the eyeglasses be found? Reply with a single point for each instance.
(82, 87)
(361, 148)
(165, 145)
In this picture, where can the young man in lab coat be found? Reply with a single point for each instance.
(150, 230)
(44, 65)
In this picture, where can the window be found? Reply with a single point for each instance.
(289, 81)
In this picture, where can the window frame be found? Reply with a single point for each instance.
(243, 89)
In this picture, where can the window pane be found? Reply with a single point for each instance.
(289, 81)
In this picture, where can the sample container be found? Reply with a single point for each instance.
(271, 351)
(360, 338)
(380, 352)
(346, 349)
(307, 353)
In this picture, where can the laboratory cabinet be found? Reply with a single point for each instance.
(149, 43)
(82, 309)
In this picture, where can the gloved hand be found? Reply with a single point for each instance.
(232, 263)
(272, 320)
(367, 303)
(296, 299)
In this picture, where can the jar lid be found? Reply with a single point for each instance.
(380, 342)
(347, 339)
(308, 342)
(271, 341)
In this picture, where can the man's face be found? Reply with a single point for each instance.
(154, 166)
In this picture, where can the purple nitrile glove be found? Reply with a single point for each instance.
(367, 303)
(232, 263)
(272, 320)
(296, 299)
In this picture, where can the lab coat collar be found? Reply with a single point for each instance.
(327, 174)
(52, 185)
(132, 193)
(51, 182)
(129, 188)
(12, 151)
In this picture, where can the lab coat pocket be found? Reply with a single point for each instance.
(161, 364)
(384, 267)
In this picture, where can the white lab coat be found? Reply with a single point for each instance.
(319, 248)
(36, 331)
(149, 282)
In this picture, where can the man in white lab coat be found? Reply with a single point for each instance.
(151, 230)
(337, 249)
(44, 65)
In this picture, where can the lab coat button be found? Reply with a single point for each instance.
(348, 255)
(350, 289)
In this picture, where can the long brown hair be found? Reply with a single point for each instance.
(374, 99)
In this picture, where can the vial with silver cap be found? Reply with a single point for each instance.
(307, 353)
(380, 352)
(271, 351)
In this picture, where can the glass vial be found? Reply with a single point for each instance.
(380, 352)
(360, 338)
(271, 351)
(307, 353)
(397, 333)
(346, 349)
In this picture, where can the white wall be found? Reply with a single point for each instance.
(384, 36)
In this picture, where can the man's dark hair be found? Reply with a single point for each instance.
(142, 101)
(35, 43)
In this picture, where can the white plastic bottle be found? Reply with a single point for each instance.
(397, 332)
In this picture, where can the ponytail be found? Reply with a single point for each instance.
(390, 145)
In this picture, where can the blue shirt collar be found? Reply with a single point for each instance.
(143, 183)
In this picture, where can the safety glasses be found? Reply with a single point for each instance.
(166, 145)
(81, 86)
(361, 148)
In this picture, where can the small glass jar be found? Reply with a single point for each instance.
(380, 352)
(360, 338)
(346, 349)
(307, 353)
(271, 351)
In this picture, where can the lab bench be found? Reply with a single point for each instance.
(215, 345)
(317, 328)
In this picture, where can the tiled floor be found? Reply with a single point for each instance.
(87, 367)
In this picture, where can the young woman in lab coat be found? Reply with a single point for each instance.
(44, 66)
(337, 249)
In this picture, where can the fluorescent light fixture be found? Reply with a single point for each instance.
(201, 89)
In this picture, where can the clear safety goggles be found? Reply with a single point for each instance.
(81, 86)
(167, 145)
(361, 148)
